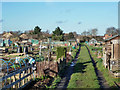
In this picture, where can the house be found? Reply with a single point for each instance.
(92, 41)
(5, 40)
(106, 36)
(111, 51)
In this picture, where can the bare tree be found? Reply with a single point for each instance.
(88, 32)
(112, 30)
(118, 31)
(75, 34)
(84, 33)
(47, 31)
(94, 32)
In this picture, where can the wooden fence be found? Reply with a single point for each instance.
(22, 77)
(50, 68)
(18, 79)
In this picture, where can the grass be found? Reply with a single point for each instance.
(84, 75)
(55, 82)
(109, 78)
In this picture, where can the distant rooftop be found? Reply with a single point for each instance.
(112, 37)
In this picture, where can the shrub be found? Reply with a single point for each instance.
(61, 51)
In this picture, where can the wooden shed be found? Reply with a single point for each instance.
(111, 53)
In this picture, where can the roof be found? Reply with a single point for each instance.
(112, 37)
(7, 35)
(93, 39)
(24, 36)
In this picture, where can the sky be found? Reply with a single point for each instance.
(69, 16)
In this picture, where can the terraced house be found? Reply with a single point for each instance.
(111, 54)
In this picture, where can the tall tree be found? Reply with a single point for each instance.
(58, 31)
(71, 35)
(37, 30)
(58, 34)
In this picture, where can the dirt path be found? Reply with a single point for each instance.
(101, 79)
(65, 80)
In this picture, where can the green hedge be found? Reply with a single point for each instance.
(61, 51)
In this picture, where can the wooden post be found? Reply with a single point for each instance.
(14, 81)
(23, 81)
(20, 79)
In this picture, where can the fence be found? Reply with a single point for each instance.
(50, 68)
(19, 78)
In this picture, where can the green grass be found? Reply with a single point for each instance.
(109, 78)
(84, 75)
(55, 82)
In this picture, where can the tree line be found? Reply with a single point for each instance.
(94, 32)
(58, 33)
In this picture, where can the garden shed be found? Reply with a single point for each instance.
(1, 42)
(92, 41)
(111, 53)
(33, 41)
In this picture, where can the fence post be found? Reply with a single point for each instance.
(33, 72)
(20, 79)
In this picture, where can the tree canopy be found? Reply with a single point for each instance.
(71, 35)
(58, 31)
(58, 34)
(37, 30)
(92, 32)
(112, 30)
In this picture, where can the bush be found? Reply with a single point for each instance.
(61, 51)
(39, 59)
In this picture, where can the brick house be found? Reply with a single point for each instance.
(111, 53)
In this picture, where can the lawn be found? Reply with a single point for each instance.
(109, 78)
(84, 75)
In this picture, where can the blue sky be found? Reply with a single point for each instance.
(69, 16)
